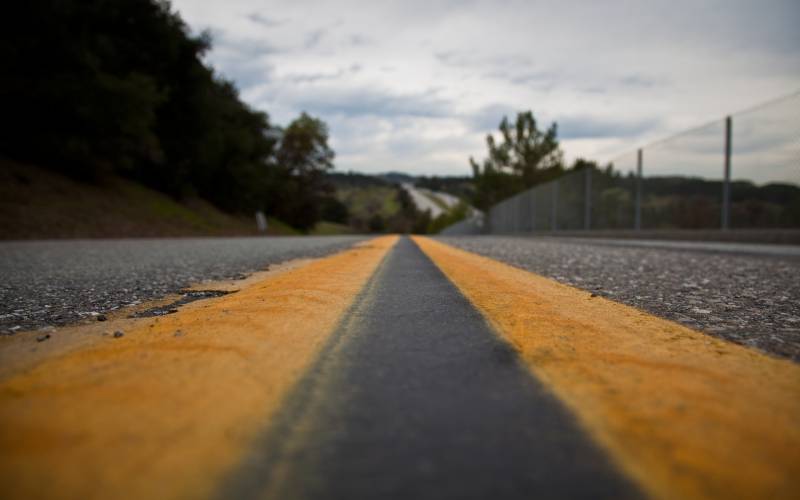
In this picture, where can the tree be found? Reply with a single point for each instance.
(333, 210)
(99, 88)
(525, 157)
(303, 158)
(376, 224)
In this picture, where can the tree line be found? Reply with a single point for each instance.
(98, 87)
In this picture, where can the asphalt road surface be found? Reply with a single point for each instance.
(746, 294)
(425, 405)
(422, 200)
(46, 283)
(403, 368)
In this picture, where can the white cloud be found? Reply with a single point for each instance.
(415, 86)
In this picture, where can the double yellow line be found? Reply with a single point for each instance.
(171, 408)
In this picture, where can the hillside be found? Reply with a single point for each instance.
(39, 203)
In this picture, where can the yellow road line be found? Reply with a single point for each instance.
(166, 410)
(685, 414)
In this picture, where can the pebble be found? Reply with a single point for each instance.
(42, 338)
(101, 317)
(118, 334)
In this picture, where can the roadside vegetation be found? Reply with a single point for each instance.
(94, 89)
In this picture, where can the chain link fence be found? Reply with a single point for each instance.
(741, 172)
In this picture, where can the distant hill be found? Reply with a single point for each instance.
(459, 186)
(355, 179)
(378, 203)
(397, 177)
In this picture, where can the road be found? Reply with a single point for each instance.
(408, 368)
(749, 294)
(441, 385)
(49, 283)
(423, 199)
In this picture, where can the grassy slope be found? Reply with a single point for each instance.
(37, 203)
(363, 202)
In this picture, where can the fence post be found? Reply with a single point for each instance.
(514, 216)
(501, 219)
(726, 183)
(637, 224)
(500, 227)
(554, 213)
(587, 198)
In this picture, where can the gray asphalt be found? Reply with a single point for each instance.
(790, 251)
(743, 293)
(416, 397)
(49, 283)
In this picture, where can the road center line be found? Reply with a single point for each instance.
(421, 399)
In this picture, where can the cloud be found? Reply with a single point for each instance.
(472, 59)
(263, 21)
(488, 118)
(372, 102)
(317, 77)
(314, 38)
(641, 81)
(421, 83)
(360, 40)
(224, 42)
(581, 127)
(242, 60)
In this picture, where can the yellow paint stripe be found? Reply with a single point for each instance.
(684, 414)
(155, 415)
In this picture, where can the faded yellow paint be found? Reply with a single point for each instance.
(684, 414)
(168, 409)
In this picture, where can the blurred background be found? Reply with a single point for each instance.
(134, 118)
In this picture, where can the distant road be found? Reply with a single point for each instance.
(424, 199)
(61, 281)
(746, 293)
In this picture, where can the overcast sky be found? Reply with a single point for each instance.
(415, 85)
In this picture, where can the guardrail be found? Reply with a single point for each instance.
(741, 172)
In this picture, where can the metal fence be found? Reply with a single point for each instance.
(739, 172)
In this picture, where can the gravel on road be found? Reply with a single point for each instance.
(752, 300)
(57, 282)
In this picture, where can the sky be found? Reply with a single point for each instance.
(415, 86)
